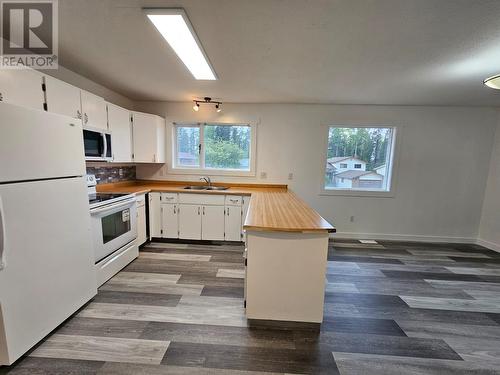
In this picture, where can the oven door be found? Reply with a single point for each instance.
(113, 226)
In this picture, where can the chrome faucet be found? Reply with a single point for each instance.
(207, 180)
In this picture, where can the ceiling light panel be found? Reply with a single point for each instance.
(174, 26)
(493, 82)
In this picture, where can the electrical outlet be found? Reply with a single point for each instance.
(290, 176)
(352, 219)
(263, 174)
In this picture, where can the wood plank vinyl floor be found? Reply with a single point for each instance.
(390, 308)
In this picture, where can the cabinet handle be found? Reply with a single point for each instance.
(203, 210)
(228, 211)
(198, 210)
(174, 209)
(86, 118)
(1, 97)
(154, 158)
(78, 114)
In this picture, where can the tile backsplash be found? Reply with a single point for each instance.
(106, 175)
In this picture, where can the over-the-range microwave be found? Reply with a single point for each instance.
(97, 145)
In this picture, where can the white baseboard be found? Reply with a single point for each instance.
(404, 237)
(488, 244)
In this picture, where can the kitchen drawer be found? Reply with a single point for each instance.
(233, 200)
(141, 200)
(203, 199)
(169, 198)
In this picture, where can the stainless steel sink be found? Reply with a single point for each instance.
(216, 187)
(200, 187)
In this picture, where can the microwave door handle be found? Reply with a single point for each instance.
(2, 236)
(105, 144)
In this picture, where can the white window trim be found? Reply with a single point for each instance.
(183, 170)
(393, 163)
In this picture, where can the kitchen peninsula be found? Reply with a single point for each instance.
(286, 247)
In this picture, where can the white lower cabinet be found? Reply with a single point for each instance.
(155, 215)
(245, 202)
(212, 223)
(170, 220)
(141, 219)
(232, 223)
(195, 216)
(190, 221)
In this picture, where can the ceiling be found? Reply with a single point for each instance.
(403, 52)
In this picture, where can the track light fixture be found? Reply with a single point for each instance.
(207, 100)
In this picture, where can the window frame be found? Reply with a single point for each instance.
(201, 169)
(392, 165)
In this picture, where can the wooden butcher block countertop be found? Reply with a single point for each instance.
(272, 207)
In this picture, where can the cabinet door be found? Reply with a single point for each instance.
(212, 226)
(121, 133)
(62, 98)
(141, 225)
(144, 137)
(94, 111)
(22, 87)
(154, 215)
(160, 140)
(233, 223)
(244, 210)
(189, 221)
(170, 221)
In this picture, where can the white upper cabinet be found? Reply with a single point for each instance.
(93, 111)
(22, 87)
(121, 133)
(148, 134)
(62, 98)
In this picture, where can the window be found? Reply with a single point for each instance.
(372, 146)
(214, 147)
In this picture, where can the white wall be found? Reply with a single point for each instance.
(443, 163)
(489, 230)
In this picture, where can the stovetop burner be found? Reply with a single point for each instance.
(102, 197)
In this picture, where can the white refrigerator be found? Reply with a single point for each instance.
(46, 256)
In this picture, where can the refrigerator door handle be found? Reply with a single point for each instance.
(2, 237)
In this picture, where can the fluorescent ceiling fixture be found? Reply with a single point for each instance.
(493, 82)
(175, 27)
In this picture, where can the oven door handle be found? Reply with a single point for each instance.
(128, 202)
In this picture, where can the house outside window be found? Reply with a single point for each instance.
(359, 159)
(213, 148)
